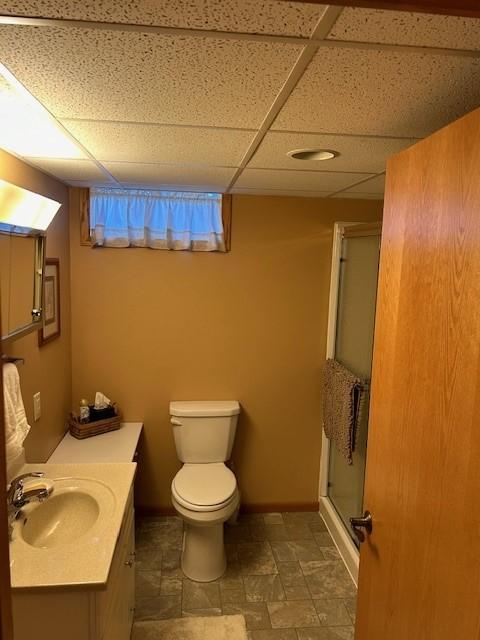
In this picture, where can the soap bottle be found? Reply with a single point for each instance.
(84, 411)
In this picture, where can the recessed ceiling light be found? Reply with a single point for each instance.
(313, 154)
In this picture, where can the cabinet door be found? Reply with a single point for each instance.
(118, 612)
(121, 606)
(126, 590)
(51, 615)
(130, 577)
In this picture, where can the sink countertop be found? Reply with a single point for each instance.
(84, 563)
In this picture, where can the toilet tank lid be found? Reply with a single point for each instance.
(204, 408)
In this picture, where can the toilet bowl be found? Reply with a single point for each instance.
(204, 492)
(205, 496)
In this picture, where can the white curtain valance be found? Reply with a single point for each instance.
(156, 219)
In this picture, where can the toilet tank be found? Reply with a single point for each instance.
(204, 431)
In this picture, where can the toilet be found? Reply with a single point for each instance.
(204, 491)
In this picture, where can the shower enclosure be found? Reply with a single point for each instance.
(353, 293)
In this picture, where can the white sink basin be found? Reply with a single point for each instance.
(77, 507)
(70, 539)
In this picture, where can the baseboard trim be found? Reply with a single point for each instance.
(276, 507)
(264, 507)
(151, 512)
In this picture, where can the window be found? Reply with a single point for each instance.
(155, 219)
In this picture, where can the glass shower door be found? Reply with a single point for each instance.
(353, 348)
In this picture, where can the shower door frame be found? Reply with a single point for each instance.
(343, 541)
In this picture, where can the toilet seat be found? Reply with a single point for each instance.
(204, 487)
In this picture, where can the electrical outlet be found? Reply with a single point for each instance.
(37, 406)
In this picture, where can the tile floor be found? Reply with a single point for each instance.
(284, 575)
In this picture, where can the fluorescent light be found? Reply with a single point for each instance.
(22, 208)
(28, 129)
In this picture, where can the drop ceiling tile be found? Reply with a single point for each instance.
(372, 189)
(70, 169)
(164, 144)
(402, 27)
(297, 180)
(171, 176)
(394, 93)
(92, 183)
(139, 77)
(249, 16)
(356, 153)
(374, 185)
(282, 192)
(352, 195)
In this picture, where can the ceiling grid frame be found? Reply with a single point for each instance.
(321, 30)
(351, 188)
(235, 35)
(311, 45)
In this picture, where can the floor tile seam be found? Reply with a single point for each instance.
(296, 628)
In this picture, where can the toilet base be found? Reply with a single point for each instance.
(203, 555)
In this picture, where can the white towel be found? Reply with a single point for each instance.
(16, 425)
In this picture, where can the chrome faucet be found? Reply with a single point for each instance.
(18, 496)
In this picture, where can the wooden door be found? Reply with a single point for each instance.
(420, 567)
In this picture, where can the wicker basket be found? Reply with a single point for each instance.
(87, 430)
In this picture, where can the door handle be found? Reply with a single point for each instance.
(360, 524)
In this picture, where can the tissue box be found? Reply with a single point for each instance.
(80, 430)
(101, 414)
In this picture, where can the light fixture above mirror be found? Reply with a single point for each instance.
(22, 211)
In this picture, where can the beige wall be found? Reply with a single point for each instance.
(152, 326)
(46, 369)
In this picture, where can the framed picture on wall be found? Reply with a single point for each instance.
(51, 302)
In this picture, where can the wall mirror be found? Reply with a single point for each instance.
(21, 283)
(24, 218)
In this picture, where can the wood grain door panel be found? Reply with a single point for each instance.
(420, 569)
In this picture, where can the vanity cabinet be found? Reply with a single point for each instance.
(115, 606)
(81, 612)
